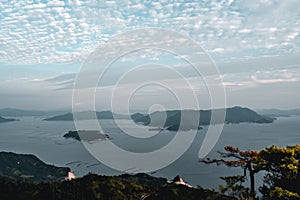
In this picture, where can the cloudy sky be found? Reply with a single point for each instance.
(255, 45)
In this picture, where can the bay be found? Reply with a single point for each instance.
(32, 135)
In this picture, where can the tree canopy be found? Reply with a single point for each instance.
(281, 167)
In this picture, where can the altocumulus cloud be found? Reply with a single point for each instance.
(66, 31)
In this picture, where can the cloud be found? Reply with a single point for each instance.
(61, 78)
(55, 3)
(245, 80)
(217, 50)
(67, 31)
(279, 76)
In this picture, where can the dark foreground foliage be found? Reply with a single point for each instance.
(140, 186)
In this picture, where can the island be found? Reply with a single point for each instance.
(86, 135)
(3, 120)
(87, 115)
(29, 168)
(172, 118)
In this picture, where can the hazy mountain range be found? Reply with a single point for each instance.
(279, 113)
(13, 112)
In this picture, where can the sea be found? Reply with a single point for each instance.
(33, 135)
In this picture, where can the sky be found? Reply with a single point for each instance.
(254, 44)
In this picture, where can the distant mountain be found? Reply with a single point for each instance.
(173, 118)
(87, 115)
(29, 167)
(279, 113)
(2, 119)
(12, 112)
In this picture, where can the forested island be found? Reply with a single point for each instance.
(86, 135)
(173, 120)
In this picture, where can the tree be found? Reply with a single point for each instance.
(280, 194)
(233, 157)
(282, 179)
(234, 187)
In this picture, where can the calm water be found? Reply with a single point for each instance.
(45, 140)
